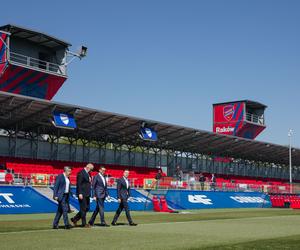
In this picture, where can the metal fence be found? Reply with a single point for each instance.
(165, 183)
(255, 118)
(36, 63)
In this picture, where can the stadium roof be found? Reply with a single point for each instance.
(249, 103)
(34, 36)
(28, 113)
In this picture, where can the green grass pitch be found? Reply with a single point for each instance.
(200, 229)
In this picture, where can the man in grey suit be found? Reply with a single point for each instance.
(100, 192)
(61, 194)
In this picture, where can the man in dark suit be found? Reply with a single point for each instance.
(100, 192)
(213, 182)
(61, 194)
(83, 191)
(123, 192)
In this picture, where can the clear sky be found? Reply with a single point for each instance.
(170, 60)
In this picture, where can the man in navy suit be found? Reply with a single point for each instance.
(61, 195)
(123, 191)
(83, 191)
(100, 192)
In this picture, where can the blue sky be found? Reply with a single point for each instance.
(171, 60)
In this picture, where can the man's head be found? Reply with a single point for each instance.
(89, 167)
(102, 170)
(67, 171)
(126, 173)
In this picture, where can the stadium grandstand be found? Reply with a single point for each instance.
(31, 144)
(116, 181)
(34, 148)
(38, 137)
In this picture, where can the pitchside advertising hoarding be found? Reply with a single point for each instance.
(185, 199)
(24, 200)
(137, 201)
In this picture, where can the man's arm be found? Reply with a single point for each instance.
(94, 186)
(56, 186)
(79, 182)
(106, 191)
(119, 189)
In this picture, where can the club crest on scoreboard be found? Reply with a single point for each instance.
(228, 112)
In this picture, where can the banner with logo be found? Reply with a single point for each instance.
(24, 200)
(148, 134)
(137, 201)
(185, 199)
(64, 120)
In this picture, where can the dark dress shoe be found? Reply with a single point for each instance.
(55, 227)
(68, 227)
(132, 224)
(74, 222)
(91, 225)
(113, 224)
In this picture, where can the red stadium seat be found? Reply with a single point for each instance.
(164, 205)
(26, 167)
(156, 204)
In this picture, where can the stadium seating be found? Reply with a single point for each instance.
(229, 182)
(26, 168)
(287, 200)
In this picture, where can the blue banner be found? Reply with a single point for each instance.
(186, 199)
(148, 134)
(64, 120)
(24, 200)
(137, 201)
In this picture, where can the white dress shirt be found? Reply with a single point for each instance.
(127, 183)
(67, 184)
(103, 179)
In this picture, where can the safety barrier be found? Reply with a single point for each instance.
(137, 201)
(186, 199)
(24, 200)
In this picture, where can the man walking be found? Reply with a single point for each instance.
(100, 192)
(213, 182)
(61, 194)
(83, 191)
(123, 192)
(202, 181)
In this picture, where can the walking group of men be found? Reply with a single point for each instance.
(85, 186)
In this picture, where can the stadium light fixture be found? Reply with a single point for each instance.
(80, 54)
(83, 52)
(290, 134)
